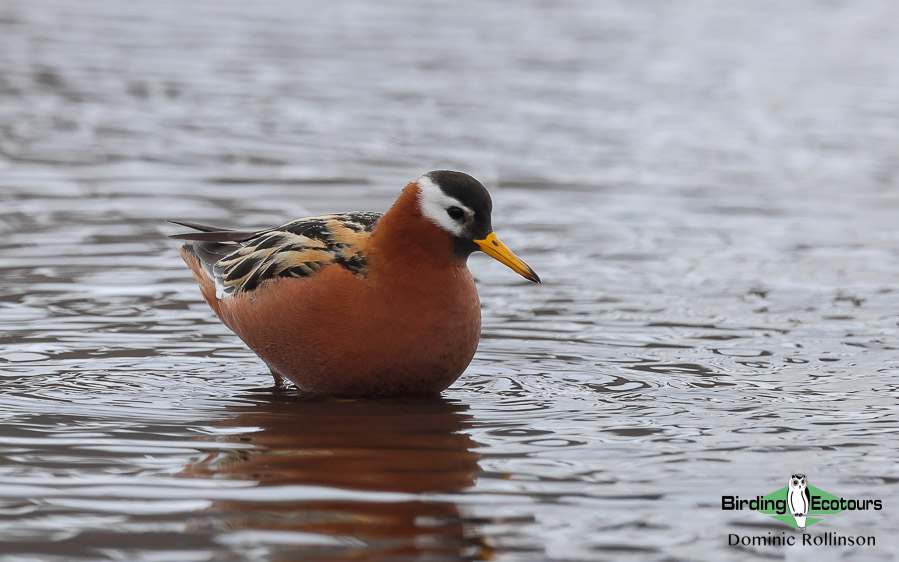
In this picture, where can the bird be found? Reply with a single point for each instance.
(358, 304)
(798, 497)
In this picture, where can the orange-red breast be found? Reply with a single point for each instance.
(360, 303)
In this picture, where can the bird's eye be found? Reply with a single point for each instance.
(455, 213)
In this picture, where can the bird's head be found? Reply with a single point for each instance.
(461, 206)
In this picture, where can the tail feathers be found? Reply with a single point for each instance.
(205, 248)
(214, 234)
(209, 253)
(202, 274)
(197, 226)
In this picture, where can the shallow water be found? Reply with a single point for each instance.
(708, 192)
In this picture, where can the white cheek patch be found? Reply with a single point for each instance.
(433, 203)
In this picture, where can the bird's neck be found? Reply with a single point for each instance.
(404, 238)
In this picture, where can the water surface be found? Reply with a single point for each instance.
(708, 192)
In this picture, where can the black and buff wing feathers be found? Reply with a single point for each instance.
(239, 261)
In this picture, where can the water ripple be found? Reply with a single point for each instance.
(708, 202)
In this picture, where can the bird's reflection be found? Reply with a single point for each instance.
(413, 446)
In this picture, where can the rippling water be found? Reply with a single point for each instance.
(708, 192)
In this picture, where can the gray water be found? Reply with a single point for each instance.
(708, 190)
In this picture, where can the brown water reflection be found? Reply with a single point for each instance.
(406, 448)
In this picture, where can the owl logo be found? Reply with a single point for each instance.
(798, 499)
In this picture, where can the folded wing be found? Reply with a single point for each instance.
(240, 261)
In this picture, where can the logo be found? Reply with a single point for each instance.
(799, 505)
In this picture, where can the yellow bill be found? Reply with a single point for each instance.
(498, 251)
